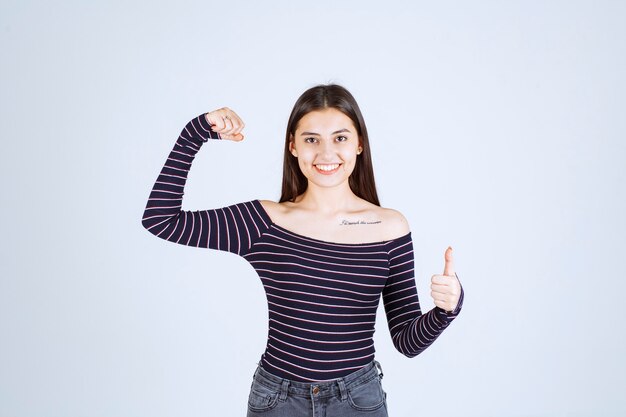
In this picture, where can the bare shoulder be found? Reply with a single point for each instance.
(268, 204)
(396, 225)
(277, 211)
(272, 208)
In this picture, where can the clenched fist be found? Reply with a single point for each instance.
(446, 288)
(226, 123)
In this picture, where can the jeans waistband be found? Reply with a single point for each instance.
(323, 388)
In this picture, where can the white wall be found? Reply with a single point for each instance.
(497, 128)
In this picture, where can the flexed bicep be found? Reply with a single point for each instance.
(230, 228)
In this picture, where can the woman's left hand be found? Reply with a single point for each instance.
(446, 288)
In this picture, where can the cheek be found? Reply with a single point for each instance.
(350, 157)
(303, 159)
(352, 162)
(303, 164)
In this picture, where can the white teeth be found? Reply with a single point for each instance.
(327, 167)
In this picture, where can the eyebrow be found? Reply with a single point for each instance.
(317, 134)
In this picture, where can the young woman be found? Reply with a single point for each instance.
(325, 253)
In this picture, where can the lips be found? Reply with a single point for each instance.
(327, 169)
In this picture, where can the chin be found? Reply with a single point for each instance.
(328, 184)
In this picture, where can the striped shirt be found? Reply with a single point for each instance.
(322, 296)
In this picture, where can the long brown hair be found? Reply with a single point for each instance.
(321, 97)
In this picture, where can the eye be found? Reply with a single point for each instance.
(341, 138)
(310, 140)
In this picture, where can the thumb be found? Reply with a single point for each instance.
(449, 266)
(238, 137)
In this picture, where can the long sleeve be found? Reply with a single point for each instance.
(411, 331)
(233, 228)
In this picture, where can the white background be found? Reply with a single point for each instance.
(496, 128)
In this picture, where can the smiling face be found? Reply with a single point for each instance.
(327, 145)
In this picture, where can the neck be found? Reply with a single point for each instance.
(328, 201)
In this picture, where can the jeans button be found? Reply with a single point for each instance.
(316, 390)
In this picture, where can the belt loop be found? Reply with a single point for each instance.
(342, 389)
(284, 389)
(380, 368)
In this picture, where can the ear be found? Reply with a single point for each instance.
(360, 148)
(292, 149)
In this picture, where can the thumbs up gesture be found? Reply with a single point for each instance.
(446, 288)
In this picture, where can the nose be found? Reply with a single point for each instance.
(327, 148)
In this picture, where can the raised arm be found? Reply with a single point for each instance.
(233, 228)
(411, 331)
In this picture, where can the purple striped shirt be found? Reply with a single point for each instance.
(322, 296)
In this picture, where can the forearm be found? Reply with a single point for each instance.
(416, 334)
(163, 215)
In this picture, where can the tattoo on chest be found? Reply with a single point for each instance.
(350, 223)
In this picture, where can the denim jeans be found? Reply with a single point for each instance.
(358, 394)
